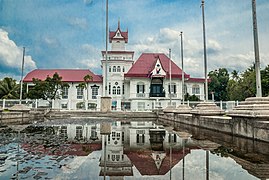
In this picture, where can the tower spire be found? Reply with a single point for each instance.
(119, 23)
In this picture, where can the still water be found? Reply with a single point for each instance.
(76, 149)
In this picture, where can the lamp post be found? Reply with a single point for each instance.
(22, 68)
(182, 74)
(205, 59)
(256, 50)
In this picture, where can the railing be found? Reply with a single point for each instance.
(144, 104)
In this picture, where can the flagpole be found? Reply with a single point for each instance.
(256, 50)
(182, 74)
(170, 76)
(22, 68)
(205, 58)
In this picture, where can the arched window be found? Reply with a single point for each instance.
(118, 90)
(109, 69)
(195, 89)
(114, 90)
(114, 68)
(118, 69)
(123, 69)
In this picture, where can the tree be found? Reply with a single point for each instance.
(188, 97)
(47, 89)
(265, 81)
(218, 84)
(9, 89)
(242, 86)
(85, 84)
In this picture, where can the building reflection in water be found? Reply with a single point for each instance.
(155, 150)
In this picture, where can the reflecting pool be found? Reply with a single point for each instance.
(85, 149)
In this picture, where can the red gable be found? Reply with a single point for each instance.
(146, 62)
(123, 34)
(68, 75)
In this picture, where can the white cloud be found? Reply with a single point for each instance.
(11, 54)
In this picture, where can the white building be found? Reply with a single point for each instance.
(139, 85)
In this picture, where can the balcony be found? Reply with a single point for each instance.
(140, 95)
(157, 95)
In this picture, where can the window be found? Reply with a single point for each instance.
(93, 132)
(109, 88)
(141, 106)
(94, 91)
(79, 132)
(118, 69)
(140, 88)
(79, 92)
(172, 138)
(109, 69)
(113, 135)
(114, 90)
(118, 90)
(122, 88)
(63, 131)
(185, 89)
(123, 69)
(173, 88)
(140, 136)
(195, 89)
(65, 92)
(114, 68)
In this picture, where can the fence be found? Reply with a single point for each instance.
(93, 104)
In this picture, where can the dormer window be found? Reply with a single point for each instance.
(118, 34)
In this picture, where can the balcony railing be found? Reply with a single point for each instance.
(157, 95)
(140, 95)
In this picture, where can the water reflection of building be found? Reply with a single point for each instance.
(79, 132)
(117, 164)
(150, 147)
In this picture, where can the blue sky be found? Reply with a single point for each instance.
(71, 33)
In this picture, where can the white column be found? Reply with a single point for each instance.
(118, 104)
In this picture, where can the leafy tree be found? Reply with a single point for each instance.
(189, 97)
(9, 89)
(85, 84)
(47, 89)
(219, 82)
(265, 81)
(243, 86)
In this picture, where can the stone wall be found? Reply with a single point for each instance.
(239, 126)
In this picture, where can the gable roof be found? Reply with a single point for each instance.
(123, 34)
(68, 75)
(146, 62)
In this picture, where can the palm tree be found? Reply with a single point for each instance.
(9, 89)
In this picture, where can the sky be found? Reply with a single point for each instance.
(71, 33)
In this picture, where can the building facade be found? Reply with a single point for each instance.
(150, 82)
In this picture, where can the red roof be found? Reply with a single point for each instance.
(198, 80)
(146, 165)
(146, 62)
(68, 75)
(123, 34)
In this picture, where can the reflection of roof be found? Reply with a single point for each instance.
(68, 149)
(145, 164)
(68, 75)
(146, 62)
